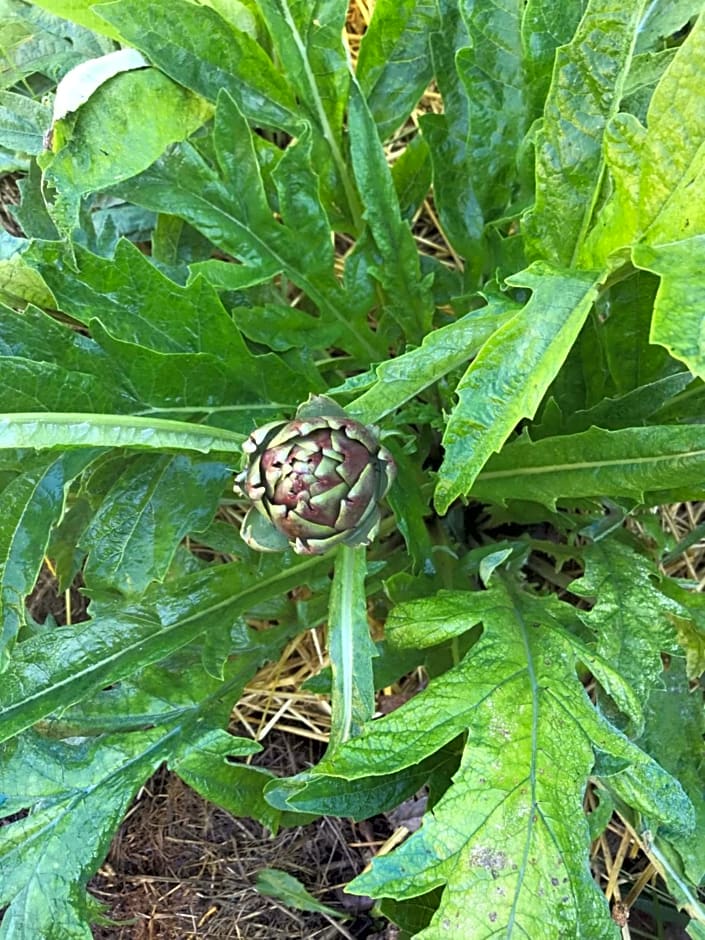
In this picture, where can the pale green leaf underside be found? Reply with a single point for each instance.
(41, 430)
(636, 463)
(77, 86)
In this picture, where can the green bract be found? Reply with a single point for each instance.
(315, 482)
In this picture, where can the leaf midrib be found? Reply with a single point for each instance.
(589, 465)
(255, 592)
(533, 683)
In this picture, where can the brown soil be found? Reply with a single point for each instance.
(182, 868)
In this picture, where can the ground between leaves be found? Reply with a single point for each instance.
(183, 868)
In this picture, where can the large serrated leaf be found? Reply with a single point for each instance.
(307, 35)
(172, 346)
(183, 184)
(47, 857)
(396, 381)
(458, 208)
(546, 25)
(107, 140)
(173, 688)
(77, 780)
(492, 70)
(44, 386)
(308, 41)
(152, 506)
(233, 390)
(675, 725)
(622, 583)
(585, 93)
(134, 300)
(32, 335)
(672, 180)
(680, 265)
(36, 42)
(23, 122)
(408, 296)
(58, 669)
(508, 839)
(205, 766)
(300, 203)
(658, 171)
(511, 374)
(47, 366)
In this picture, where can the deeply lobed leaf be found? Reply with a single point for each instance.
(508, 832)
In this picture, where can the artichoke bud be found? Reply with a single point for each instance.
(314, 482)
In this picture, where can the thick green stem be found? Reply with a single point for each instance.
(350, 647)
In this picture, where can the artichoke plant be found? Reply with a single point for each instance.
(314, 482)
